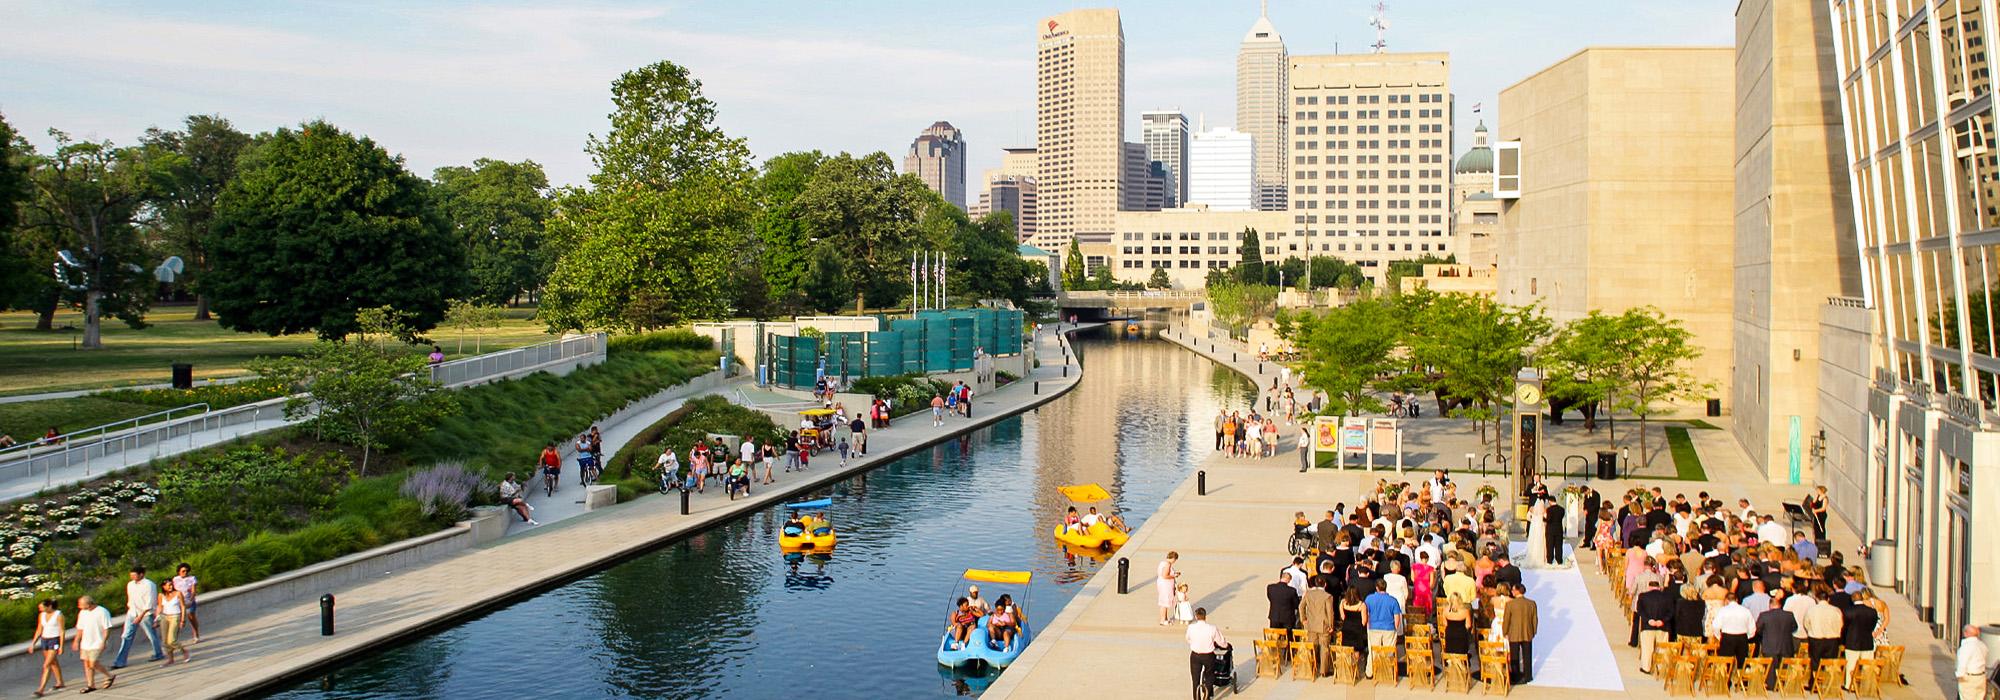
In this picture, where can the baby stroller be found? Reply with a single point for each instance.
(1223, 673)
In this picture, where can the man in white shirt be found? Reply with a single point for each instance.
(141, 597)
(1298, 573)
(1731, 628)
(1769, 531)
(93, 627)
(1798, 604)
(1305, 447)
(1970, 670)
(1203, 640)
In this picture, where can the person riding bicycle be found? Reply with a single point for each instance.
(551, 466)
(586, 459)
(669, 468)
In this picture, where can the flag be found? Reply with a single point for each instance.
(1476, 106)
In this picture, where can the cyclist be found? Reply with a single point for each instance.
(586, 459)
(551, 467)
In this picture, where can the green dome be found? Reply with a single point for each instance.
(1480, 158)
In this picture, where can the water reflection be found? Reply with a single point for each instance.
(726, 614)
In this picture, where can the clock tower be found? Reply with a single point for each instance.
(1527, 431)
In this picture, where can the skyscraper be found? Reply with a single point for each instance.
(1166, 135)
(1220, 170)
(1079, 125)
(1372, 134)
(1261, 87)
(937, 157)
(1140, 187)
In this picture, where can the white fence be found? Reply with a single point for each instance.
(493, 365)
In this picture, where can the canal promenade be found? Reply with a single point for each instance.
(1232, 543)
(262, 651)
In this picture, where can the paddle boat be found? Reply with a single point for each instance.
(979, 646)
(1098, 535)
(814, 532)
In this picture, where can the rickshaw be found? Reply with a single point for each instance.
(1099, 536)
(816, 429)
(979, 647)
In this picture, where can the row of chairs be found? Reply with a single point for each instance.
(1420, 658)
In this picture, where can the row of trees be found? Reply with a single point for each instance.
(1466, 350)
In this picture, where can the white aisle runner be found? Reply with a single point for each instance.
(1570, 648)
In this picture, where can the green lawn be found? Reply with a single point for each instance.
(1687, 462)
(34, 362)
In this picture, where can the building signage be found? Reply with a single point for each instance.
(1326, 433)
(1964, 409)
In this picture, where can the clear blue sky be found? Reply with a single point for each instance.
(443, 83)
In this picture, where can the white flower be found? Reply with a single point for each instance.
(18, 593)
(49, 586)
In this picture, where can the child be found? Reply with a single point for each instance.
(843, 452)
(1183, 610)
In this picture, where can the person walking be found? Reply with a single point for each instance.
(1167, 577)
(859, 430)
(1970, 669)
(1305, 444)
(1284, 600)
(1520, 626)
(49, 633)
(1221, 422)
(173, 614)
(1203, 641)
(1385, 616)
(142, 598)
(93, 628)
(185, 582)
(1318, 614)
(937, 410)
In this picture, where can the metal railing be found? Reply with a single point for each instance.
(92, 435)
(483, 367)
(129, 445)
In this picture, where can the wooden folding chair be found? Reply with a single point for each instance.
(1750, 678)
(1270, 658)
(1493, 674)
(1792, 673)
(1457, 673)
(1421, 630)
(1680, 675)
(1346, 665)
(1717, 671)
(1831, 677)
(1423, 668)
(1382, 665)
(1280, 638)
(1891, 656)
(1305, 661)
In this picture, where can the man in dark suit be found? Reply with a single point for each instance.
(1552, 532)
(1775, 637)
(1504, 570)
(1284, 599)
(1520, 626)
(1592, 503)
(1317, 618)
(1857, 634)
(1655, 613)
(1658, 517)
(1324, 532)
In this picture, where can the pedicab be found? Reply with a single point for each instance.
(816, 429)
(979, 646)
(1099, 535)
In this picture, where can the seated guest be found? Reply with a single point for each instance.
(959, 624)
(1005, 622)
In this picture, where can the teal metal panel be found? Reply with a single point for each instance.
(846, 354)
(885, 353)
(962, 342)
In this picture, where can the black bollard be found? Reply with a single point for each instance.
(326, 615)
(1260, 368)
(684, 502)
(1065, 370)
(1232, 356)
(1124, 570)
(1038, 388)
(1201, 482)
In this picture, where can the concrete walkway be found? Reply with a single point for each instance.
(268, 650)
(18, 481)
(1232, 542)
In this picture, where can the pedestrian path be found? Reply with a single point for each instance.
(262, 651)
(20, 479)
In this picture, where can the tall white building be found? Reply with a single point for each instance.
(1166, 136)
(1221, 170)
(1261, 87)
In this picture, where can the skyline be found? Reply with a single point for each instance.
(441, 84)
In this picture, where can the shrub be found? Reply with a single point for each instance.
(215, 395)
(907, 393)
(445, 490)
(680, 429)
(669, 339)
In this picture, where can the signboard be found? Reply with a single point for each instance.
(1326, 433)
(1354, 435)
(1382, 435)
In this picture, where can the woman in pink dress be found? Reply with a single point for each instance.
(1422, 575)
(1164, 584)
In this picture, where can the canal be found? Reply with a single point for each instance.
(724, 614)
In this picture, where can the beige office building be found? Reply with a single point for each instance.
(1261, 112)
(1917, 108)
(1079, 126)
(1187, 242)
(1614, 171)
(1370, 153)
(1475, 214)
(1794, 231)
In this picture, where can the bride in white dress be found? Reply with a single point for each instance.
(1538, 540)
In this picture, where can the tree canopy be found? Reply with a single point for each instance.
(497, 209)
(188, 170)
(319, 223)
(87, 197)
(870, 215)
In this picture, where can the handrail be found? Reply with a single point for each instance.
(65, 439)
(473, 369)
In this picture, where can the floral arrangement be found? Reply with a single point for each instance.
(1487, 492)
(1642, 497)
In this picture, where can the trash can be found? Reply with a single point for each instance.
(1715, 408)
(1607, 464)
(183, 375)
(1882, 563)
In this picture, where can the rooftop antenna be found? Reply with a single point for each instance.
(1381, 24)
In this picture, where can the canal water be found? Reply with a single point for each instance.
(725, 615)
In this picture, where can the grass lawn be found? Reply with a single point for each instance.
(1687, 462)
(33, 362)
(28, 419)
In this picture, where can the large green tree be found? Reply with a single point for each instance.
(784, 245)
(1657, 354)
(651, 241)
(1328, 271)
(189, 169)
(87, 197)
(1072, 267)
(17, 273)
(1250, 259)
(870, 214)
(1346, 349)
(319, 223)
(1470, 347)
(361, 393)
(498, 210)
(1583, 358)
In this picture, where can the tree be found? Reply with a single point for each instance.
(361, 394)
(1289, 272)
(188, 171)
(651, 241)
(466, 316)
(319, 223)
(86, 198)
(826, 285)
(1470, 348)
(1159, 279)
(1582, 360)
(1072, 267)
(1328, 271)
(783, 243)
(18, 278)
(498, 211)
(1412, 267)
(1346, 349)
(1656, 356)
(870, 214)
(1250, 266)
(1237, 305)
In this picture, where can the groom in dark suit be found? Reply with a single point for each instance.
(1592, 504)
(1552, 531)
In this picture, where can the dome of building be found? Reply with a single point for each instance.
(1480, 158)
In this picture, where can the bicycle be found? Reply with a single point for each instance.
(587, 468)
(549, 478)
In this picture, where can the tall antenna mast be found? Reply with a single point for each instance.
(1381, 24)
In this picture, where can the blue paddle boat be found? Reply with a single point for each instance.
(979, 646)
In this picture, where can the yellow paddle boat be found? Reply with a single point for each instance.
(813, 532)
(1098, 535)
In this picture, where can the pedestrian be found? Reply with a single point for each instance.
(859, 429)
(792, 449)
(1385, 616)
(965, 399)
(49, 632)
(1163, 584)
(185, 582)
(1971, 665)
(1305, 448)
(1521, 624)
(1777, 638)
(843, 456)
(1203, 641)
(937, 410)
(173, 614)
(1221, 427)
(141, 598)
(767, 456)
(93, 628)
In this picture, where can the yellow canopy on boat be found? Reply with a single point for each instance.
(1020, 577)
(1084, 493)
(817, 412)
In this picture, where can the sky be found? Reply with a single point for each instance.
(445, 83)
